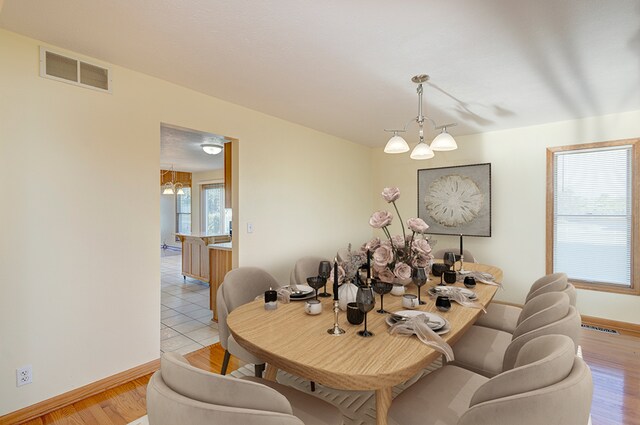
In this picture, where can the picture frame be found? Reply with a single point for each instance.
(456, 200)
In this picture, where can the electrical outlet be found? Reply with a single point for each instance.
(249, 227)
(24, 376)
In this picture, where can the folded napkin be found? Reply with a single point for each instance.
(419, 325)
(456, 295)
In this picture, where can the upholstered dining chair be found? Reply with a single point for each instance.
(240, 286)
(468, 256)
(548, 384)
(305, 267)
(489, 351)
(506, 317)
(182, 394)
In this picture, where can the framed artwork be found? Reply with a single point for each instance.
(456, 200)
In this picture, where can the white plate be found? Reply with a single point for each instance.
(307, 292)
(445, 328)
(435, 321)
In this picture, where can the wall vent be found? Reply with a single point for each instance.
(600, 329)
(76, 71)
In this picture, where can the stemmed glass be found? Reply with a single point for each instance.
(380, 287)
(419, 277)
(324, 271)
(366, 301)
(449, 259)
(316, 283)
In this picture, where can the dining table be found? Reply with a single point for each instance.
(289, 339)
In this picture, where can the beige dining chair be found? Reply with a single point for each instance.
(468, 256)
(489, 351)
(548, 384)
(240, 286)
(506, 317)
(305, 267)
(180, 393)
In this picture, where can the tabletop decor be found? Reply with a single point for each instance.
(419, 326)
(336, 329)
(395, 258)
(349, 263)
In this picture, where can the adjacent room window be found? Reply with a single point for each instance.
(592, 214)
(183, 211)
(214, 218)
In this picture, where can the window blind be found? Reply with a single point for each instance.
(592, 235)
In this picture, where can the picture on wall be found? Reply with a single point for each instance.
(456, 200)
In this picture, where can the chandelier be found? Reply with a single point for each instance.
(172, 187)
(442, 142)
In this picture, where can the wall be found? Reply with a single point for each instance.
(198, 180)
(168, 220)
(80, 265)
(518, 184)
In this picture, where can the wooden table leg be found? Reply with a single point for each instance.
(271, 372)
(383, 402)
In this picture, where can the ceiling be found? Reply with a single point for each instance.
(180, 149)
(344, 67)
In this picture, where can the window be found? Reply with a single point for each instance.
(215, 218)
(183, 211)
(592, 215)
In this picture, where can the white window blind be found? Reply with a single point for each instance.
(592, 227)
(213, 212)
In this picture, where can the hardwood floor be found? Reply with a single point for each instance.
(613, 360)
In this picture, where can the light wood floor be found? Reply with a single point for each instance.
(614, 361)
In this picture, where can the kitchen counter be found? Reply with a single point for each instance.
(222, 245)
(220, 262)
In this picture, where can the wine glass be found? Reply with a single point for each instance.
(366, 301)
(419, 277)
(380, 287)
(324, 271)
(316, 283)
(449, 259)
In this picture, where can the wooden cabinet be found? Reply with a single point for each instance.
(227, 174)
(195, 257)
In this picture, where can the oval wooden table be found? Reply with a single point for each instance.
(289, 339)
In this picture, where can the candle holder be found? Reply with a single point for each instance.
(336, 329)
(462, 270)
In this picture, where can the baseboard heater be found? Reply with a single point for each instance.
(599, 329)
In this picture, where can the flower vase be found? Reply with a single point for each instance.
(346, 294)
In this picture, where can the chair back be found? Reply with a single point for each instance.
(468, 256)
(568, 326)
(549, 283)
(181, 393)
(541, 311)
(570, 290)
(305, 267)
(549, 382)
(240, 286)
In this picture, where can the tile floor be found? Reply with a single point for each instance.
(185, 318)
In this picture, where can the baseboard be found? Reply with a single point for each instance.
(73, 396)
(624, 328)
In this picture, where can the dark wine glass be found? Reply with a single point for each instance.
(324, 271)
(382, 288)
(366, 302)
(449, 259)
(419, 278)
(443, 303)
(316, 283)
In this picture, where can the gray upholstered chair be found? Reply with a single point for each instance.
(506, 317)
(240, 286)
(489, 351)
(182, 394)
(305, 267)
(468, 256)
(548, 384)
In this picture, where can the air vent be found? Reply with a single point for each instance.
(600, 329)
(60, 67)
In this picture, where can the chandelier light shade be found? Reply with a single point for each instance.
(168, 189)
(396, 145)
(443, 142)
(422, 151)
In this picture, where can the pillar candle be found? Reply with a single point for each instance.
(335, 280)
(461, 245)
(368, 265)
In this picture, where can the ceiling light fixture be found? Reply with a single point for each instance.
(212, 147)
(443, 142)
(172, 187)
